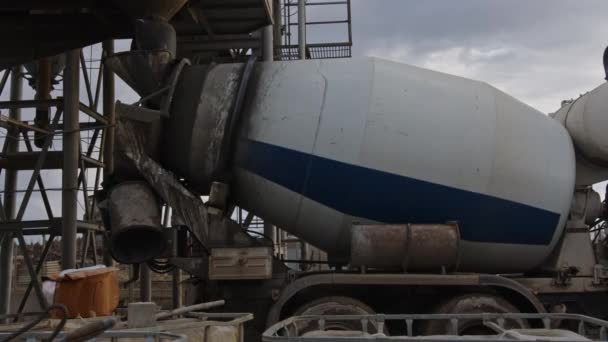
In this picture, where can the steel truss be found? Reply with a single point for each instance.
(91, 157)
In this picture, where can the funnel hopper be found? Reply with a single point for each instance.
(142, 70)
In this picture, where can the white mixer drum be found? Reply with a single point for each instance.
(324, 144)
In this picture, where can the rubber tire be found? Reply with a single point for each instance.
(335, 305)
(470, 304)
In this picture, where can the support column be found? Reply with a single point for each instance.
(176, 273)
(10, 186)
(268, 44)
(269, 230)
(277, 23)
(177, 278)
(71, 143)
(43, 92)
(145, 283)
(302, 28)
(108, 112)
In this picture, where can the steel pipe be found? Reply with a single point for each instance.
(71, 147)
(109, 132)
(417, 247)
(10, 186)
(145, 283)
(277, 22)
(267, 44)
(302, 28)
(186, 309)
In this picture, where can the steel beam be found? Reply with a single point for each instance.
(71, 146)
(302, 28)
(92, 113)
(10, 186)
(27, 161)
(108, 111)
(30, 286)
(4, 79)
(41, 225)
(109, 133)
(30, 103)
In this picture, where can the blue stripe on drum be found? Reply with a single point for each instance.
(390, 198)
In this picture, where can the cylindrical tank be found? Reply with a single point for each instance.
(586, 119)
(325, 144)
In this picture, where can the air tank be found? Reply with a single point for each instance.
(321, 146)
(585, 119)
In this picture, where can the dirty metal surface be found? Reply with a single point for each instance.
(189, 207)
(432, 246)
(31, 29)
(201, 110)
(135, 217)
(405, 246)
(379, 246)
(144, 71)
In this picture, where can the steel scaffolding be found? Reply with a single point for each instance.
(73, 143)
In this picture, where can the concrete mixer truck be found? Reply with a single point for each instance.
(430, 193)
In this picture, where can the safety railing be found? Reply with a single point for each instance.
(375, 327)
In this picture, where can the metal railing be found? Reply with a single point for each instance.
(115, 335)
(374, 327)
(99, 330)
(290, 50)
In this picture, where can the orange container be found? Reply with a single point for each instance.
(88, 293)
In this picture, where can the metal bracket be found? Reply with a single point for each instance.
(564, 275)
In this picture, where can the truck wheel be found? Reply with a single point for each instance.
(334, 306)
(472, 304)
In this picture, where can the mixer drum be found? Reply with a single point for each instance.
(328, 144)
(324, 145)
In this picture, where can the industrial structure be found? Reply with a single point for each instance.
(246, 139)
(55, 134)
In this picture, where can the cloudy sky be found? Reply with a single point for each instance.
(539, 51)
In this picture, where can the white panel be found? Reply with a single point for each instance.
(532, 152)
(342, 123)
(266, 199)
(287, 104)
(429, 126)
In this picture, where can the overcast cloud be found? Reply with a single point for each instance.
(539, 51)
